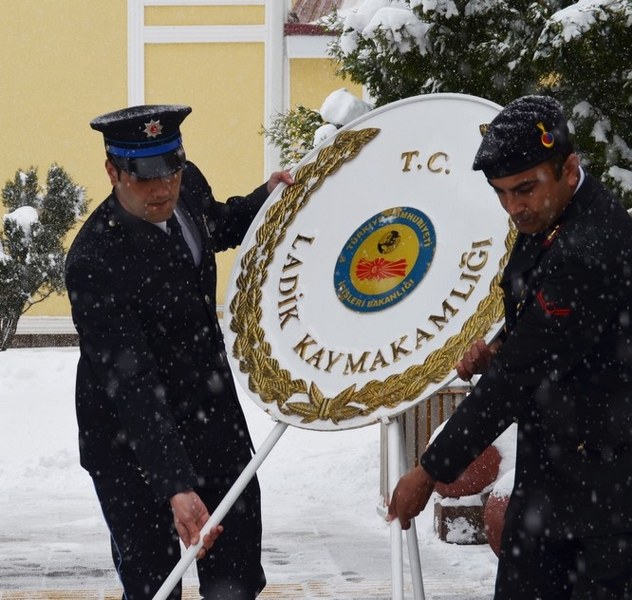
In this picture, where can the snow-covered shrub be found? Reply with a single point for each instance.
(293, 133)
(31, 251)
(299, 130)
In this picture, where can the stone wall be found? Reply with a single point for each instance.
(44, 340)
(44, 332)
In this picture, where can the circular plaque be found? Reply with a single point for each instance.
(359, 287)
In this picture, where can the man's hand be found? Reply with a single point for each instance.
(190, 515)
(477, 359)
(410, 496)
(279, 177)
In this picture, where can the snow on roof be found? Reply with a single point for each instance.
(309, 11)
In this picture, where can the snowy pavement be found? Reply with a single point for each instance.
(323, 537)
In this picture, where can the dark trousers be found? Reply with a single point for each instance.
(145, 545)
(540, 568)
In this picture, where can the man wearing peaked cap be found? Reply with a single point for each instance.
(161, 431)
(145, 141)
(561, 370)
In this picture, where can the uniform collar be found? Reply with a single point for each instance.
(161, 225)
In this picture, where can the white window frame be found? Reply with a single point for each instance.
(270, 34)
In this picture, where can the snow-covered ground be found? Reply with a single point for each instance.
(320, 498)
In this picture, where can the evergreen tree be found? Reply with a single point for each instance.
(588, 49)
(31, 251)
(579, 52)
(484, 48)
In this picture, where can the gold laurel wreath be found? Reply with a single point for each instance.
(274, 384)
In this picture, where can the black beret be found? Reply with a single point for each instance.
(527, 132)
(144, 140)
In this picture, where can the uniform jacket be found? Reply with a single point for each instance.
(564, 374)
(154, 390)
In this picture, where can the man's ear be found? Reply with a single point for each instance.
(570, 169)
(112, 172)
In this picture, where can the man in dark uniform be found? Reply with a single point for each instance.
(161, 430)
(562, 370)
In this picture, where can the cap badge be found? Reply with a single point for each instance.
(153, 128)
(547, 138)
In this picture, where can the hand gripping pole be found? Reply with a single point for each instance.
(222, 509)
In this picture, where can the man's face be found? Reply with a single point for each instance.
(153, 200)
(535, 198)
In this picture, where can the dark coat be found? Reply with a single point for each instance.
(564, 374)
(154, 388)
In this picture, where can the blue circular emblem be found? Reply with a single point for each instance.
(384, 259)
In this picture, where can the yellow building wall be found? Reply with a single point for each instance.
(205, 15)
(224, 84)
(221, 135)
(65, 62)
(313, 79)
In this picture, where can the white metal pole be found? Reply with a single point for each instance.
(222, 508)
(275, 59)
(411, 534)
(135, 52)
(415, 562)
(393, 445)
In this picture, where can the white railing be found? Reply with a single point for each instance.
(45, 326)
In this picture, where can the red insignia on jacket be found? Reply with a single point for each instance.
(549, 239)
(550, 308)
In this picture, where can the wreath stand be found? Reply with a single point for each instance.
(396, 466)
